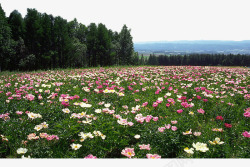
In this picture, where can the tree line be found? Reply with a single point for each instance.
(42, 41)
(200, 60)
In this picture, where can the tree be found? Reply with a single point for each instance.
(7, 44)
(126, 46)
(16, 24)
(92, 44)
(103, 45)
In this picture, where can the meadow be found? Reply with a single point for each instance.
(126, 112)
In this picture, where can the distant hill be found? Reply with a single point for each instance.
(196, 46)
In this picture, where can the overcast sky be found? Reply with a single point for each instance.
(152, 20)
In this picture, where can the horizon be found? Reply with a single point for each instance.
(191, 41)
(158, 20)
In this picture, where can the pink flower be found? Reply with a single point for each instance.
(246, 114)
(128, 152)
(180, 111)
(174, 122)
(148, 118)
(130, 123)
(205, 100)
(201, 111)
(153, 156)
(155, 104)
(174, 128)
(161, 129)
(168, 126)
(246, 134)
(219, 118)
(145, 104)
(90, 156)
(19, 112)
(197, 133)
(228, 125)
(144, 147)
(167, 104)
(155, 118)
(43, 135)
(170, 100)
(85, 100)
(65, 104)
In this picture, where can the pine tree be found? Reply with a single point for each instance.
(7, 44)
(126, 46)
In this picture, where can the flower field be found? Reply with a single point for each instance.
(130, 112)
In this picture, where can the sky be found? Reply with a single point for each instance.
(152, 20)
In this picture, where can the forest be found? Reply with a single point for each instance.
(42, 41)
(39, 41)
(200, 60)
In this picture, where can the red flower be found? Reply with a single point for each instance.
(219, 118)
(228, 125)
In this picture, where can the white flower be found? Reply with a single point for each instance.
(22, 150)
(137, 136)
(103, 136)
(121, 94)
(85, 105)
(189, 151)
(23, 157)
(38, 127)
(90, 135)
(160, 99)
(107, 105)
(45, 125)
(200, 147)
(187, 132)
(122, 121)
(216, 141)
(75, 146)
(168, 94)
(66, 110)
(88, 121)
(34, 116)
(98, 110)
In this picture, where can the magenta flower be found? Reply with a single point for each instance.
(228, 125)
(246, 134)
(128, 152)
(90, 156)
(247, 112)
(219, 118)
(180, 111)
(155, 104)
(153, 156)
